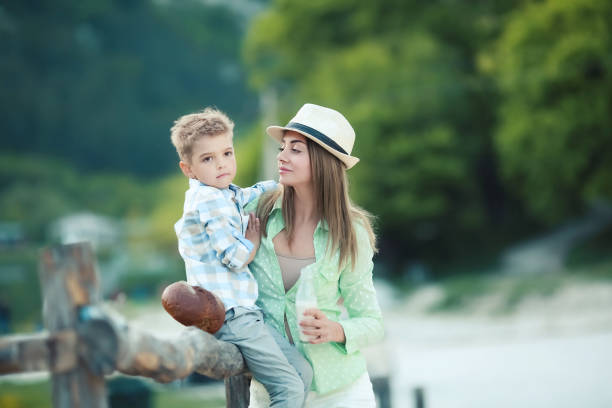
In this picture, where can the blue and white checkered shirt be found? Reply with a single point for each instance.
(212, 243)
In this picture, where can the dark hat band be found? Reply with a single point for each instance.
(316, 134)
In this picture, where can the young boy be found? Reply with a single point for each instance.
(217, 245)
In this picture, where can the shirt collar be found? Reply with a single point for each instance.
(198, 183)
(195, 183)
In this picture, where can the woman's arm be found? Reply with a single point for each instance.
(364, 325)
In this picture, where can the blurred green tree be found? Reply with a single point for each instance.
(554, 69)
(99, 83)
(36, 190)
(405, 73)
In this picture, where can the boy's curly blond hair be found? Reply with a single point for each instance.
(189, 128)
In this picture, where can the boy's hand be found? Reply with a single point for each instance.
(253, 234)
(252, 231)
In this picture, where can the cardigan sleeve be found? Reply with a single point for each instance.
(364, 325)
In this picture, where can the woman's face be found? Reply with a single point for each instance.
(293, 160)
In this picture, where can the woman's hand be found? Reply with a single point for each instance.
(321, 328)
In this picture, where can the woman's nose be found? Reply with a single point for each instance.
(281, 156)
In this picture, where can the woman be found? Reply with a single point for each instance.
(311, 223)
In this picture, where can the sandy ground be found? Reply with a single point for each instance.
(553, 351)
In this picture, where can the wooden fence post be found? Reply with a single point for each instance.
(419, 397)
(86, 341)
(237, 392)
(69, 281)
(382, 390)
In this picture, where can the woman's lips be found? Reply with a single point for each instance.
(283, 170)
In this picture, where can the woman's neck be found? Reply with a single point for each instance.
(304, 205)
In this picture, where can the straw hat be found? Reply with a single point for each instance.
(324, 126)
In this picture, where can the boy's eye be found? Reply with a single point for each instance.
(207, 159)
(229, 154)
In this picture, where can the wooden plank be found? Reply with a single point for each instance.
(105, 343)
(38, 352)
(141, 353)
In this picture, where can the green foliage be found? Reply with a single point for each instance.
(518, 289)
(100, 83)
(461, 291)
(36, 190)
(595, 251)
(554, 70)
(25, 395)
(20, 288)
(170, 197)
(404, 74)
(185, 399)
(409, 152)
(425, 83)
(38, 394)
(248, 148)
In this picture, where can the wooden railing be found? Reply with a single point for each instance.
(84, 341)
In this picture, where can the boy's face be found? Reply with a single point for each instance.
(212, 161)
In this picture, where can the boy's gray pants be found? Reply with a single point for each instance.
(272, 360)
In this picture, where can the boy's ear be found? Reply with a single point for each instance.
(186, 169)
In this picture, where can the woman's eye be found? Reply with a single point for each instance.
(293, 149)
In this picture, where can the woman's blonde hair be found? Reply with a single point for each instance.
(334, 205)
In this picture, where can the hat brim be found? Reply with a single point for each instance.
(277, 132)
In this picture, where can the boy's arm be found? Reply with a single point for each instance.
(248, 194)
(231, 248)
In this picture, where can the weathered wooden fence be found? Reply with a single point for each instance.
(84, 341)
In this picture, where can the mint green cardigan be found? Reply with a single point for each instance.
(334, 365)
